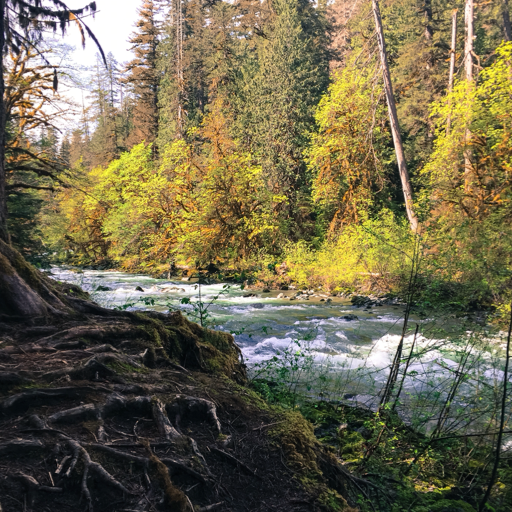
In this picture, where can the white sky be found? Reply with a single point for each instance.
(112, 25)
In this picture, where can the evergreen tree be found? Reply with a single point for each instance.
(277, 95)
(171, 96)
(79, 148)
(65, 152)
(106, 142)
(142, 76)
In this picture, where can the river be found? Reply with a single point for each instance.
(352, 346)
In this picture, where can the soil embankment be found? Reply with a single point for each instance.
(124, 411)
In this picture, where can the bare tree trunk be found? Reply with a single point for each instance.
(393, 118)
(179, 65)
(468, 67)
(453, 51)
(4, 234)
(468, 46)
(507, 29)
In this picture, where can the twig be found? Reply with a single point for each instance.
(502, 420)
(269, 425)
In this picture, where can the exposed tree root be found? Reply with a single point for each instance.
(131, 378)
(22, 401)
(12, 379)
(100, 473)
(174, 497)
(197, 408)
(19, 446)
(165, 427)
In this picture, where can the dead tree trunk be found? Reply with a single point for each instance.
(453, 52)
(468, 68)
(468, 45)
(4, 234)
(393, 118)
(507, 29)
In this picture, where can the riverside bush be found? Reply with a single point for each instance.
(364, 256)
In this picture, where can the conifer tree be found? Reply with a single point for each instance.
(142, 76)
(198, 56)
(78, 148)
(277, 97)
(106, 142)
(65, 152)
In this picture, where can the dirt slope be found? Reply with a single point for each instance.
(119, 411)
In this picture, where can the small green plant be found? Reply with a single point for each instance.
(125, 306)
(200, 309)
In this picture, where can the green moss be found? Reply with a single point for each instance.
(124, 368)
(295, 435)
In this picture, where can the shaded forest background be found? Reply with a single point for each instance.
(255, 135)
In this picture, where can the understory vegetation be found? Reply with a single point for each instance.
(421, 434)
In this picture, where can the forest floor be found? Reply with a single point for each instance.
(119, 411)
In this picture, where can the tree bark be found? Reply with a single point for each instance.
(468, 68)
(453, 52)
(393, 118)
(4, 234)
(24, 291)
(468, 46)
(507, 29)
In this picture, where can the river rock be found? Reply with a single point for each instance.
(139, 289)
(103, 289)
(350, 317)
(280, 296)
